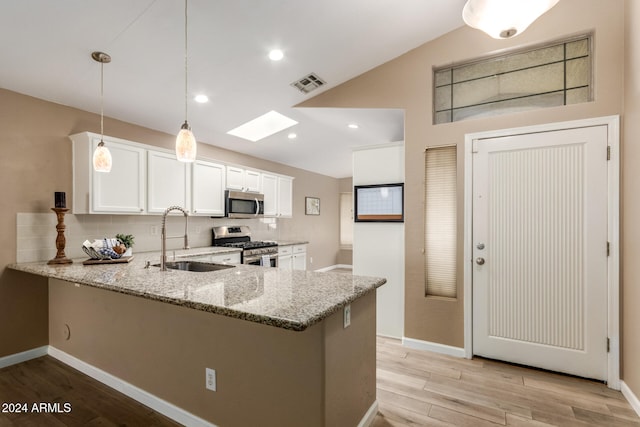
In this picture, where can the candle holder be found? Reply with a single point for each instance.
(61, 242)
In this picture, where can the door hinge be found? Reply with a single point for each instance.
(608, 345)
(608, 152)
(608, 248)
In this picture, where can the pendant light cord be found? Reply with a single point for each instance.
(186, 70)
(101, 101)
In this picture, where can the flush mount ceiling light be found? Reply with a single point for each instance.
(502, 19)
(276, 55)
(101, 156)
(186, 146)
(353, 126)
(201, 99)
(292, 135)
(263, 126)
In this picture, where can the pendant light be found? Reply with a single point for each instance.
(502, 19)
(102, 156)
(186, 145)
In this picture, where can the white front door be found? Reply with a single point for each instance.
(540, 250)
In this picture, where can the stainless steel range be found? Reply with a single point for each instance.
(253, 252)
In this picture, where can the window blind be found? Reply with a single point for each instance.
(440, 221)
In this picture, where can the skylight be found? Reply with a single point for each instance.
(263, 126)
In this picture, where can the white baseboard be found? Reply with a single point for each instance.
(434, 347)
(14, 359)
(159, 405)
(369, 417)
(630, 396)
(333, 267)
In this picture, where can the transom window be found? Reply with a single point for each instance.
(549, 76)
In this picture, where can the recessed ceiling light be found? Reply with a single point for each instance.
(292, 135)
(263, 126)
(276, 55)
(353, 126)
(201, 98)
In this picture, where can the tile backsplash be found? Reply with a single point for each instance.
(36, 232)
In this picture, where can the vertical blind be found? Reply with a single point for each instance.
(440, 221)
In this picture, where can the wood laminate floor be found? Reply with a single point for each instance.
(415, 388)
(419, 388)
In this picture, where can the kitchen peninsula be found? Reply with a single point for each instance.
(276, 338)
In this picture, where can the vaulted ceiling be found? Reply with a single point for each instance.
(47, 45)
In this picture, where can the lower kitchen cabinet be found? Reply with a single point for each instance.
(299, 257)
(292, 257)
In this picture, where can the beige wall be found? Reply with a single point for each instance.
(36, 161)
(406, 82)
(630, 297)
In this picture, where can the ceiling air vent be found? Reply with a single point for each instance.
(308, 83)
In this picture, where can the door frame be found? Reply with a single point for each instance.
(613, 226)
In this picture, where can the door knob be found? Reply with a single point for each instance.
(479, 261)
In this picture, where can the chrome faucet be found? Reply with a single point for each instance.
(163, 258)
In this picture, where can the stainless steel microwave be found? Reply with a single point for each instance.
(239, 204)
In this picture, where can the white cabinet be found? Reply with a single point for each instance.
(278, 192)
(225, 258)
(207, 188)
(292, 257)
(167, 182)
(285, 260)
(240, 179)
(285, 197)
(270, 191)
(121, 191)
(299, 257)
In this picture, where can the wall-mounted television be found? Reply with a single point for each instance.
(379, 203)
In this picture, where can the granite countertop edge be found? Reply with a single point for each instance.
(59, 272)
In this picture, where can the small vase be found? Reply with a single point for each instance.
(128, 252)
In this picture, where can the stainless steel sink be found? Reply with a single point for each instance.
(195, 266)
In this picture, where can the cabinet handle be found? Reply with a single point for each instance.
(141, 210)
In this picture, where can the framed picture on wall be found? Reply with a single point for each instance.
(312, 206)
(379, 203)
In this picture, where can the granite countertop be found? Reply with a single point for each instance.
(286, 299)
(291, 242)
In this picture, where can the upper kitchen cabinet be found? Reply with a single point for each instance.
(277, 195)
(207, 188)
(240, 179)
(120, 191)
(168, 181)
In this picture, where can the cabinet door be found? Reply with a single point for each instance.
(122, 190)
(285, 197)
(252, 181)
(207, 188)
(299, 261)
(285, 262)
(270, 191)
(167, 182)
(235, 178)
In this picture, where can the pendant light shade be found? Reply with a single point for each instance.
(101, 156)
(502, 19)
(186, 145)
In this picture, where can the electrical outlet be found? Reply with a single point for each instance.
(153, 230)
(310, 260)
(347, 316)
(210, 379)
